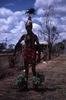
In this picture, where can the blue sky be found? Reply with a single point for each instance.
(17, 5)
(13, 18)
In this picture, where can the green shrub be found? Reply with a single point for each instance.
(37, 80)
(21, 81)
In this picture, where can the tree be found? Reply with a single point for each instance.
(59, 47)
(50, 31)
(11, 46)
(2, 46)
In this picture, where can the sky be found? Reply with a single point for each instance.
(13, 18)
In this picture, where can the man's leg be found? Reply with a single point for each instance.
(34, 69)
(26, 73)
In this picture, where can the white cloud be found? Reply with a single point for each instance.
(9, 4)
(4, 13)
(19, 28)
(58, 5)
(40, 11)
(36, 26)
(12, 24)
(57, 18)
(42, 3)
(61, 10)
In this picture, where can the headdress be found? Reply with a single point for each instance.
(29, 21)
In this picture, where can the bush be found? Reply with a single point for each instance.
(37, 80)
(21, 81)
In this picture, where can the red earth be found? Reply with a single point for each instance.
(53, 87)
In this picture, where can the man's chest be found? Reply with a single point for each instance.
(30, 39)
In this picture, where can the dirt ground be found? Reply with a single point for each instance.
(53, 88)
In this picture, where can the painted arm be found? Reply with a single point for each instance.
(17, 45)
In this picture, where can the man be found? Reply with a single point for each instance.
(30, 50)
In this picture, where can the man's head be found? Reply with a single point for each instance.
(29, 24)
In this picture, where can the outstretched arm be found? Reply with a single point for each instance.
(22, 38)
